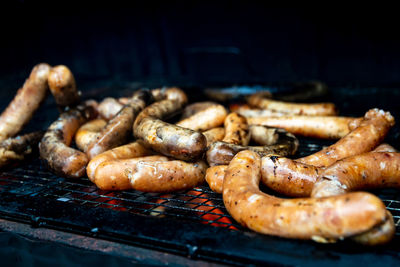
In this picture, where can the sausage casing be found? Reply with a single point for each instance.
(25, 103)
(54, 146)
(63, 87)
(323, 219)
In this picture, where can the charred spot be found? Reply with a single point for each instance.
(277, 205)
(235, 203)
(273, 158)
(275, 170)
(347, 199)
(247, 166)
(383, 181)
(281, 217)
(290, 176)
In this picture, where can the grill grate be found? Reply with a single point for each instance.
(199, 204)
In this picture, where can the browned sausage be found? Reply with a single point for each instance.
(321, 219)
(18, 148)
(364, 138)
(54, 147)
(194, 108)
(119, 129)
(221, 153)
(288, 176)
(88, 132)
(63, 87)
(293, 178)
(258, 100)
(25, 103)
(364, 171)
(150, 174)
(168, 139)
(325, 127)
(132, 150)
(215, 177)
(264, 135)
(109, 107)
(211, 117)
(213, 135)
(236, 130)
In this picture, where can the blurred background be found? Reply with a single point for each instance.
(201, 44)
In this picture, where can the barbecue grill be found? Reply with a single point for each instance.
(190, 226)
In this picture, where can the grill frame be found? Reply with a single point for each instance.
(176, 233)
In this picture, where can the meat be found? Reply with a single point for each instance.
(208, 118)
(321, 219)
(25, 103)
(221, 153)
(88, 133)
(214, 134)
(149, 174)
(119, 129)
(167, 139)
(370, 133)
(364, 171)
(63, 87)
(109, 107)
(264, 135)
(13, 150)
(236, 130)
(54, 147)
(215, 177)
(324, 127)
(132, 150)
(259, 100)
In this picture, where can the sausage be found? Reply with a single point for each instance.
(215, 177)
(236, 130)
(288, 176)
(252, 112)
(63, 87)
(323, 109)
(194, 108)
(293, 178)
(320, 219)
(214, 134)
(132, 150)
(364, 138)
(149, 174)
(18, 148)
(118, 129)
(380, 234)
(264, 135)
(25, 103)
(211, 117)
(165, 138)
(54, 146)
(109, 107)
(324, 127)
(221, 153)
(364, 171)
(88, 132)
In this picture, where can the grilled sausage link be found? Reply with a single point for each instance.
(118, 129)
(236, 130)
(168, 139)
(371, 131)
(150, 174)
(25, 103)
(19, 148)
(364, 171)
(324, 109)
(206, 119)
(88, 132)
(221, 153)
(109, 107)
(213, 135)
(63, 87)
(293, 178)
(320, 219)
(132, 150)
(194, 108)
(324, 127)
(54, 146)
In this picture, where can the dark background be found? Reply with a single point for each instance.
(200, 44)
